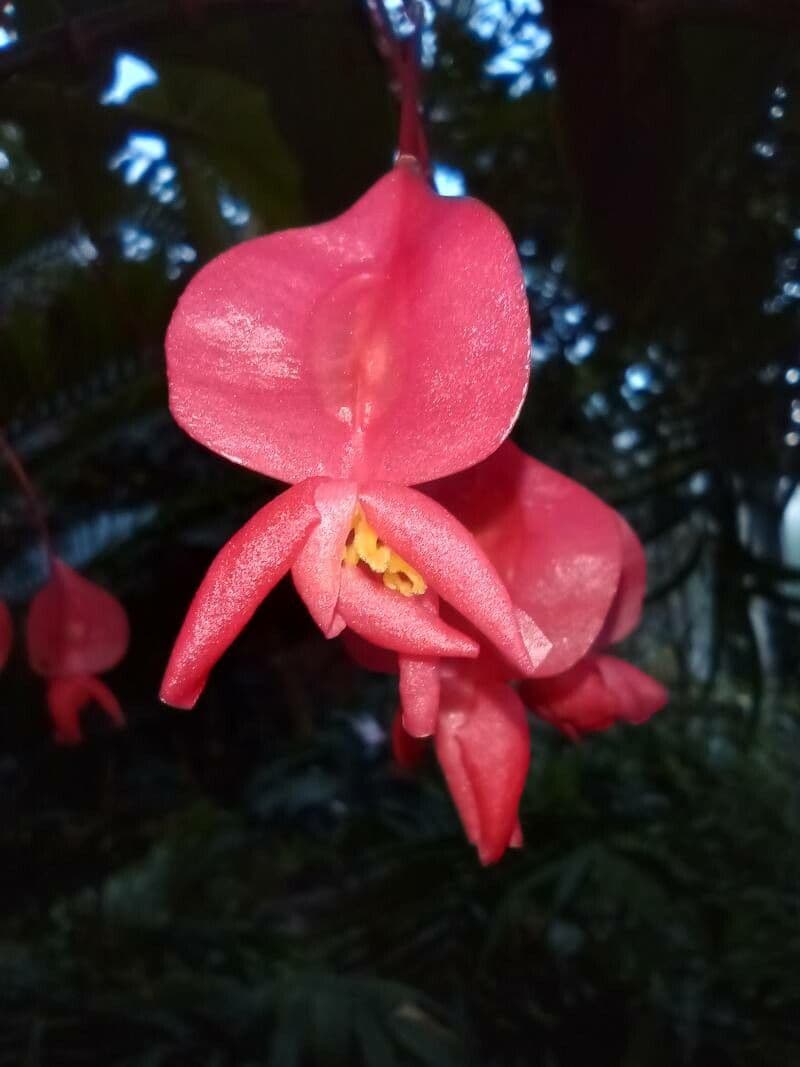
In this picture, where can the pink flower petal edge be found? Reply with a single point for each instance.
(626, 609)
(596, 693)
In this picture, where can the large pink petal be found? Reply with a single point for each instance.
(556, 546)
(483, 746)
(243, 573)
(594, 694)
(66, 699)
(399, 623)
(391, 343)
(626, 609)
(451, 562)
(6, 633)
(419, 694)
(74, 627)
(317, 571)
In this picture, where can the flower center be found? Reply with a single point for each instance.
(364, 546)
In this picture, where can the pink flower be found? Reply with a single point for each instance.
(353, 360)
(573, 562)
(74, 631)
(6, 633)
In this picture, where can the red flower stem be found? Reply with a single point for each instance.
(404, 58)
(411, 140)
(32, 498)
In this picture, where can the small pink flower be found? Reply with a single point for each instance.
(6, 633)
(576, 565)
(74, 631)
(353, 360)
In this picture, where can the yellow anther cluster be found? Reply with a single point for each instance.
(364, 546)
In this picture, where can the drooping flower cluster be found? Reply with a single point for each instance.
(74, 631)
(562, 551)
(358, 358)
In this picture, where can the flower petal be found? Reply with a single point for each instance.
(449, 559)
(593, 695)
(241, 576)
(355, 348)
(626, 609)
(6, 633)
(419, 694)
(74, 627)
(483, 746)
(399, 623)
(317, 571)
(408, 751)
(555, 545)
(369, 656)
(66, 699)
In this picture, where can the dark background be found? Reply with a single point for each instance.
(252, 882)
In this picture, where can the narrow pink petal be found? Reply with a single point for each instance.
(74, 626)
(483, 745)
(66, 699)
(317, 571)
(451, 562)
(241, 576)
(593, 695)
(103, 696)
(555, 545)
(6, 633)
(626, 609)
(450, 753)
(408, 751)
(368, 656)
(419, 694)
(517, 838)
(392, 342)
(399, 623)
(640, 695)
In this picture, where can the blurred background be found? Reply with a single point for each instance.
(252, 883)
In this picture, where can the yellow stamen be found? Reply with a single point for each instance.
(364, 546)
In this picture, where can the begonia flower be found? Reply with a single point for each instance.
(74, 631)
(353, 360)
(6, 633)
(576, 564)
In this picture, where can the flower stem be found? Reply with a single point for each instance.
(32, 498)
(404, 58)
